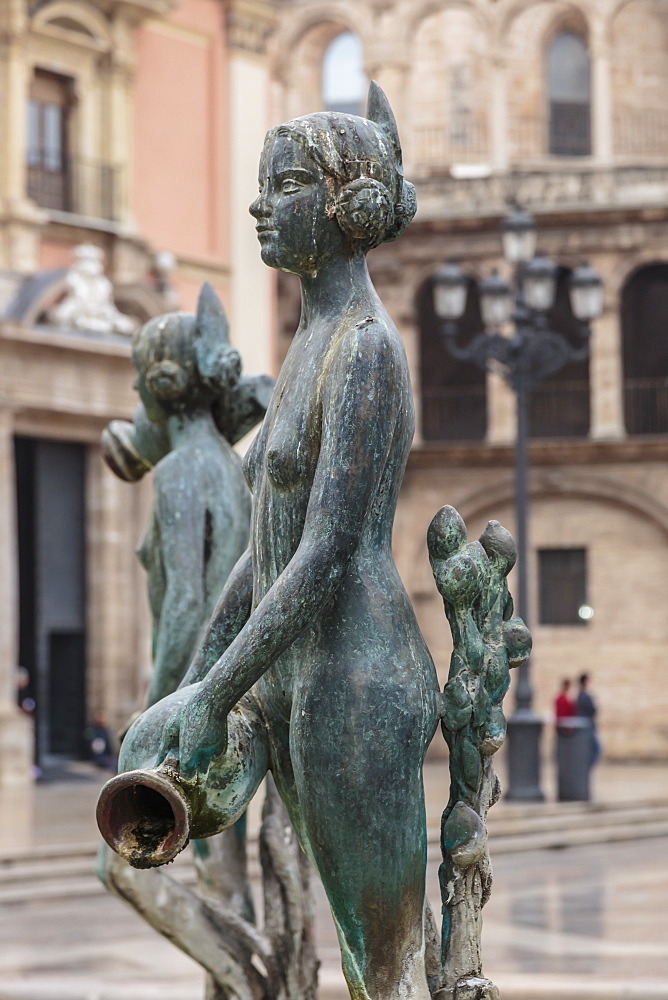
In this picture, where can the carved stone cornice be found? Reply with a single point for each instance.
(249, 24)
(138, 10)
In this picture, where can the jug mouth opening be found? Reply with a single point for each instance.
(144, 817)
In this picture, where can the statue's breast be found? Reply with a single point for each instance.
(293, 445)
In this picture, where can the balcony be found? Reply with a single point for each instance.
(552, 186)
(454, 414)
(81, 187)
(646, 405)
(558, 409)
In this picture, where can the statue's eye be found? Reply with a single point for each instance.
(290, 186)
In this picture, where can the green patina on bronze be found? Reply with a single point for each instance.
(195, 405)
(313, 665)
(487, 642)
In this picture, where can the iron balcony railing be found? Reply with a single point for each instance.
(558, 409)
(82, 187)
(640, 132)
(454, 414)
(646, 405)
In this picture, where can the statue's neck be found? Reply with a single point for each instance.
(183, 427)
(331, 292)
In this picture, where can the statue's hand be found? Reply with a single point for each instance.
(202, 736)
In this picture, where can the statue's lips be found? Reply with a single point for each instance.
(264, 231)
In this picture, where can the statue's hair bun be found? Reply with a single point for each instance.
(166, 379)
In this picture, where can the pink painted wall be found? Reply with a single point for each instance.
(180, 157)
(54, 255)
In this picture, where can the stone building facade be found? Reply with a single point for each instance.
(132, 126)
(562, 107)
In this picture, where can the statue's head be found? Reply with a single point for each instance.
(184, 360)
(331, 184)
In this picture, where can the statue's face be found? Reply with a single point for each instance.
(152, 407)
(295, 231)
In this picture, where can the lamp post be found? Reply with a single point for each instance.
(527, 355)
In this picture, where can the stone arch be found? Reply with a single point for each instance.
(298, 57)
(448, 83)
(410, 18)
(524, 32)
(629, 266)
(544, 484)
(82, 22)
(324, 22)
(579, 13)
(640, 120)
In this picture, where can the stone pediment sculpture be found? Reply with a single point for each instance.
(313, 667)
(88, 303)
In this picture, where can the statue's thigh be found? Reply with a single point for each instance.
(362, 802)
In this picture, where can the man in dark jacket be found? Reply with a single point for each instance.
(585, 706)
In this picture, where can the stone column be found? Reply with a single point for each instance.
(117, 143)
(601, 96)
(501, 411)
(20, 220)
(252, 287)
(498, 120)
(118, 624)
(606, 378)
(16, 735)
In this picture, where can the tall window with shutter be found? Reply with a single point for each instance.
(48, 140)
(569, 96)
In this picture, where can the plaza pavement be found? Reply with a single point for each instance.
(580, 923)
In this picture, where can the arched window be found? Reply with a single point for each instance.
(645, 351)
(454, 401)
(559, 406)
(569, 95)
(343, 80)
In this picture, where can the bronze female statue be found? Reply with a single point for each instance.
(195, 405)
(313, 664)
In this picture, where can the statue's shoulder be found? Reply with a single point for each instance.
(170, 471)
(372, 337)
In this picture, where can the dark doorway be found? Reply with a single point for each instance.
(454, 399)
(645, 340)
(50, 479)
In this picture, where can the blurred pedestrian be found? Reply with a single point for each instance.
(24, 692)
(585, 707)
(564, 704)
(100, 746)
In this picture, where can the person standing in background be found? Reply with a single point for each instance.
(585, 707)
(564, 706)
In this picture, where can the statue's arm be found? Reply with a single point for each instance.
(181, 525)
(229, 617)
(360, 404)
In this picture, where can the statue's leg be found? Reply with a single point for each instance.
(358, 776)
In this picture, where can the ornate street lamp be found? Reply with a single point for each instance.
(529, 353)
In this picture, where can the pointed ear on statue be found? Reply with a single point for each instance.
(378, 110)
(211, 333)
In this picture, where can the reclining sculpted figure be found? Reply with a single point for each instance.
(313, 665)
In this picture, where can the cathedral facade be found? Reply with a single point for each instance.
(561, 108)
